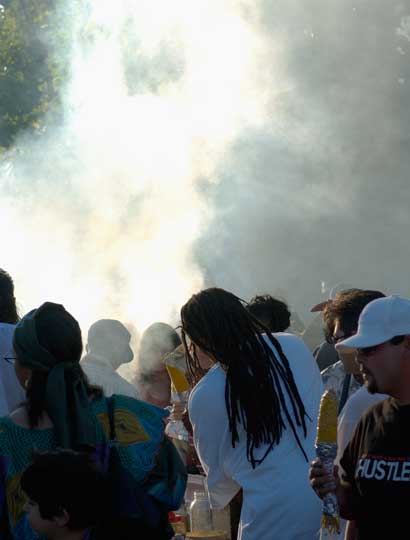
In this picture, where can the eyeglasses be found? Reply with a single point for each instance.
(368, 351)
(9, 359)
(334, 340)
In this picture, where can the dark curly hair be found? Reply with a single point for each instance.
(346, 307)
(8, 308)
(270, 311)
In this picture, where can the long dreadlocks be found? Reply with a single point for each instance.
(257, 376)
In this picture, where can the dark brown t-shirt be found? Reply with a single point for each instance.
(376, 463)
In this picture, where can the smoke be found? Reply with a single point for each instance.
(320, 191)
(102, 214)
(255, 145)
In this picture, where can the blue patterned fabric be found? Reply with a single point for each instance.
(139, 428)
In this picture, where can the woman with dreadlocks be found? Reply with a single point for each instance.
(254, 416)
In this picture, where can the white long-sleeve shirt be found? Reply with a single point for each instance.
(278, 502)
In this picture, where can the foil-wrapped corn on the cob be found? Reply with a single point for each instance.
(326, 450)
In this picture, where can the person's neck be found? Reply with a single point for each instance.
(402, 393)
(100, 360)
(402, 399)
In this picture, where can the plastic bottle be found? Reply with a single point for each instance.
(200, 513)
(221, 520)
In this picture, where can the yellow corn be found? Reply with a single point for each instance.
(327, 423)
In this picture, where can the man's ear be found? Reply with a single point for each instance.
(62, 519)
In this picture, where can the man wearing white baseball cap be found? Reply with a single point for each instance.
(382, 348)
(375, 486)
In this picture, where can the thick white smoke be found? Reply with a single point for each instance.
(104, 216)
(251, 144)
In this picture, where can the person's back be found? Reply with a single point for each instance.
(277, 489)
(106, 378)
(11, 393)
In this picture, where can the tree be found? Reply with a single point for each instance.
(34, 54)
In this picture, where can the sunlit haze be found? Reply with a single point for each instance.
(257, 145)
(108, 228)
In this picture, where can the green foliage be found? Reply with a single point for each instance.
(34, 53)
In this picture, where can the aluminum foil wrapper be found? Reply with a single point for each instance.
(176, 428)
(331, 520)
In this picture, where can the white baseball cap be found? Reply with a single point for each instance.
(380, 321)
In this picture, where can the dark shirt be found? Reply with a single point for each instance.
(325, 355)
(376, 464)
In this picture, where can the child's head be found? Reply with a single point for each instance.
(65, 491)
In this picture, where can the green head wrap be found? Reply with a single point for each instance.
(73, 423)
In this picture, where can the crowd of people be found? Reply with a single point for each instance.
(84, 452)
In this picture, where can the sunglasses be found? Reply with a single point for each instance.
(368, 351)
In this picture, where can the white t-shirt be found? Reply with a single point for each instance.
(11, 393)
(349, 417)
(355, 406)
(278, 502)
